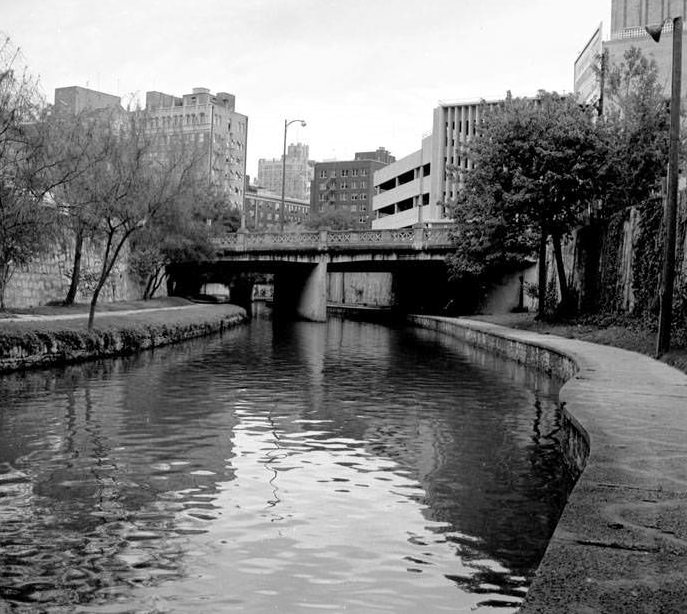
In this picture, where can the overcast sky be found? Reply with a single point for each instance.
(362, 73)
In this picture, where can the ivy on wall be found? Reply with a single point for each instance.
(647, 258)
(610, 288)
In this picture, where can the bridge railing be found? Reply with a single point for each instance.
(322, 240)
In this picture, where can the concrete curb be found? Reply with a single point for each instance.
(621, 542)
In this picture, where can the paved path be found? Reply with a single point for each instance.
(621, 543)
(19, 317)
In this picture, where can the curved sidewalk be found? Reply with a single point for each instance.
(621, 543)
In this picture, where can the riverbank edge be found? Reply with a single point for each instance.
(620, 543)
(40, 348)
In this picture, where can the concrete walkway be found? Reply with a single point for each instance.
(19, 317)
(621, 543)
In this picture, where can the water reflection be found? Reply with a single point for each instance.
(300, 467)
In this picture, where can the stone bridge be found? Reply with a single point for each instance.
(300, 261)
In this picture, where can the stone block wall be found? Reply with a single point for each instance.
(47, 278)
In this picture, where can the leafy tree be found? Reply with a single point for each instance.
(535, 168)
(178, 234)
(635, 130)
(333, 219)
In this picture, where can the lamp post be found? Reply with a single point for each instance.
(283, 172)
(668, 275)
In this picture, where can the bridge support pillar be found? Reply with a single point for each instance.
(312, 302)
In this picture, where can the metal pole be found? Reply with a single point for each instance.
(422, 175)
(283, 181)
(668, 277)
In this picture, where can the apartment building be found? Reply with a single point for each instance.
(263, 210)
(210, 123)
(345, 186)
(299, 172)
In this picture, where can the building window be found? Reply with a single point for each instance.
(363, 172)
(344, 173)
(354, 172)
(363, 197)
(343, 185)
(363, 185)
(343, 196)
(354, 185)
(323, 174)
(322, 197)
(332, 173)
(354, 197)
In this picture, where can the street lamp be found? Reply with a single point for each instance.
(283, 172)
(668, 276)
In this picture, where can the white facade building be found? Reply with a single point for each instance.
(444, 160)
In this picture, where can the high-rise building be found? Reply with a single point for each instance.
(211, 124)
(345, 186)
(299, 172)
(629, 19)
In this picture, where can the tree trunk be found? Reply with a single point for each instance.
(5, 276)
(541, 308)
(560, 269)
(94, 302)
(149, 285)
(76, 269)
(159, 278)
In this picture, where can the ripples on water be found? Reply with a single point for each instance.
(301, 468)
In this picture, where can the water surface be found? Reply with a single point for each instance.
(294, 468)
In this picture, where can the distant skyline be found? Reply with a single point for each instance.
(361, 73)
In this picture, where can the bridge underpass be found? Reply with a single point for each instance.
(300, 289)
(301, 262)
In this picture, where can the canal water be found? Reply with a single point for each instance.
(297, 467)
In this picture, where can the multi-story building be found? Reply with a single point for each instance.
(629, 19)
(402, 190)
(299, 172)
(75, 99)
(210, 124)
(431, 176)
(345, 186)
(263, 210)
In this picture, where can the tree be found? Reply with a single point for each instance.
(76, 145)
(130, 186)
(333, 219)
(179, 234)
(536, 163)
(26, 218)
(635, 129)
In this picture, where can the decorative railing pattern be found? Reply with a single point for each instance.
(322, 240)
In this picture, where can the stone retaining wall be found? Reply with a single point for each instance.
(41, 348)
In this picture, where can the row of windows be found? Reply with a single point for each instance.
(355, 172)
(344, 196)
(344, 185)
